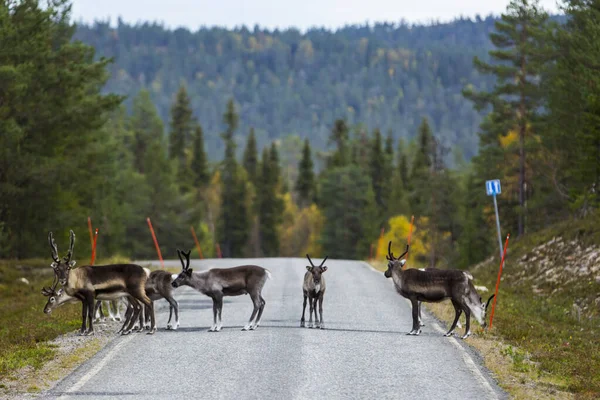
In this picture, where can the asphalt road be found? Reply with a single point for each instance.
(362, 354)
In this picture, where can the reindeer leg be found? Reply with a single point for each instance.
(84, 310)
(260, 311)
(172, 307)
(311, 307)
(321, 311)
(415, 316)
(468, 324)
(213, 328)
(457, 312)
(90, 305)
(219, 311)
(127, 317)
(421, 323)
(256, 304)
(302, 324)
(98, 314)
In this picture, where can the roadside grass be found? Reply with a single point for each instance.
(545, 340)
(24, 328)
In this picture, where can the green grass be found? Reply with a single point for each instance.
(24, 328)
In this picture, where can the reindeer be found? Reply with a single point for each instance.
(158, 286)
(434, 285)
(57, 298)
(106, 282)
(314, 289)
(219, 282)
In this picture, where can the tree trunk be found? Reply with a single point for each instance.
(522, 130)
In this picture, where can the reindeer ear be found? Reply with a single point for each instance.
(324, 269)
(308, 268)
(72, 264)
(190, 270)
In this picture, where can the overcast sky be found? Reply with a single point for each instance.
(302, 14)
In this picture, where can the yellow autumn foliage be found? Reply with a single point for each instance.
(398, 234)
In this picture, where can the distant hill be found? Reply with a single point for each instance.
(286, 82)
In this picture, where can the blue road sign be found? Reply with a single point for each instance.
(492, 187)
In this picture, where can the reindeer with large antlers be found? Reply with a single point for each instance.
(434, 285)
(217, 283)
(313, 289)
(104, 282)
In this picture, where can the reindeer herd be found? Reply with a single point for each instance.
(139, 287)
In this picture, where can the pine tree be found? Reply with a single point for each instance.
(350, 212)
(146, 126)
(270, 204)
(275, 166)
(181, 125)
(234, 223)
(403, 165)
(199, 161)
(420, 179)
(251, 157)
(51, 110)
(305, 185)
(339, 136)
(377, 171)
(573, 133)
(520, 57)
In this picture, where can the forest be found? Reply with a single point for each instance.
(281, 143)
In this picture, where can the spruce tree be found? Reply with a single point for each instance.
(340, 137)
(234, 223)
(377, 170)
(420, 179)
(275, 166)
(199, 161)
(146, 126)
(181, 125)
(305, 185)
(521, 53)
(270, 204)
(251, 157)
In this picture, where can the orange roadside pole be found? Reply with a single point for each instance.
(155, 242)
(498, 281)
(90, 230)
(94, 248)
(197, 243)
(219, 251)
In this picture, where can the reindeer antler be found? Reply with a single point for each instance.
(403, 254)
(71, 246)
(52, 244)
(49, 291)
(309, 260)
(390, 255)
(187, 258)
(185, 264)
(325, 259)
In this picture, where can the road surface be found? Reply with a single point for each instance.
(362, 354)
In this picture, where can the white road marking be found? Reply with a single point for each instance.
(92, 372)
(464, 354)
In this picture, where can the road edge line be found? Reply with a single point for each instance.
(96, 368)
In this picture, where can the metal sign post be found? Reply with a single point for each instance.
(493, 188)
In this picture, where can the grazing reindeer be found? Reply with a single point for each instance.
(107, 282)
(314, 289)
(219, 282)
(434, 285)
(57, 298)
